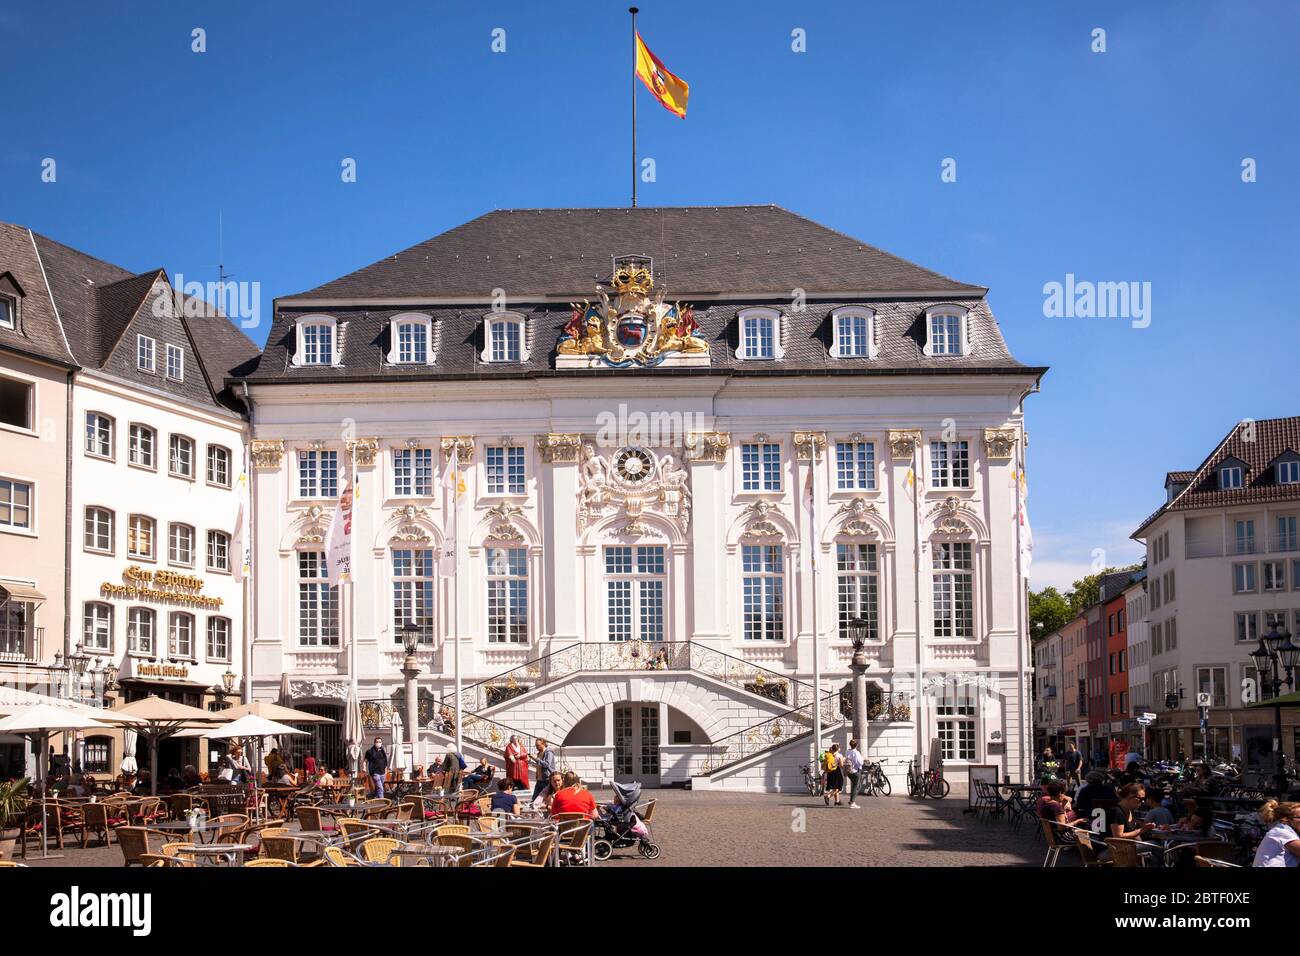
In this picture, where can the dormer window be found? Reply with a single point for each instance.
(11, 294)
(854, 333)
(504, 338)
(1230, 477)
(175, 363)
(760, 335)
(145, 359)
(947, 330)
(411, 340)
(1288, 472)
(316, 341)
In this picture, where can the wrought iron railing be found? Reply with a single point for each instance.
(377, 715)
(21, 644)
(616, 656)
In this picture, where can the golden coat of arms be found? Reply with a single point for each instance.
(634, 327)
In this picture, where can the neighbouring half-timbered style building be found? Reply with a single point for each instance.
(639, 402)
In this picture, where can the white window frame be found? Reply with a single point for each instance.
(97, 626)
(175, 370)
(12, 303)
(506, 601)
(317, 619)
(132, 445)
(92, 529)
(948, 583)
(854, 346)
(133, 534)
(514, 465)
(1272, 576)
(763, 580)
(213, 454)
(493, 324)
(1231, 478)
(854, 469)
(1288, 472)
(326, 322)
(415, 590)
(1245, 578)
(135, 616)
(8, 500)
(751, 317)
(412, 478)
(146, 354)
(1243, 536)
(175, 632)
(956, 712)
(395, 339)
(943, 473)
(858, 586)
(104, 431)
(962, 315)
(175, 443)
(217, 545)
(177, 538)
(311, 483)
(640, 597)
(214, 625)
(762, 484)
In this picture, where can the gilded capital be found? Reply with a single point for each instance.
(267, 453)
(708, 446)
(904, 443)
(809, 446)
(363, 451)
(558, 447)
(999, 442)
(461, 445)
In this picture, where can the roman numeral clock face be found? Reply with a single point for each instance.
(634, 465)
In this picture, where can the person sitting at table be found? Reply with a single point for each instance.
(573, 797)
(552, 785)
(1281, 844)
(447, 775)
(239, 764)
(481, 775)
(504, 800)
(1156, 811)
(171, 783)
(1121, 819)
(1198, 823)
(285, 778)
(225, 772)
(326, 779)
(1094, 788)
(446, 722)
(190, 776)
(1055, 804)
(273, 761)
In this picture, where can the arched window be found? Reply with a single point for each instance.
(317, 343)
(99, 530)
(218, 551)
(180, 545)
(411, 340)
(142, 443)
(140, 537)
(853, 331)
(218, 644)
(760, 335)
(947, 330)
(504, 338)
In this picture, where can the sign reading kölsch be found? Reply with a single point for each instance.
(162, 670)
(162, 587)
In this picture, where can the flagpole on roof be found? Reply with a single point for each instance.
(633, 11)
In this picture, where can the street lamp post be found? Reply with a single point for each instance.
(1275, 654)
(858, 665)
(410, 671)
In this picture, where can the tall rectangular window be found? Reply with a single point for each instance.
(853, 335)
(760, 466)
(954, 606)
(1247, 627)
(507, 595)
(635, 579)
(412, 472)
(218, 645)
(1245, 536)
(180, 545)
(318, 474)
(180, 635)
(855, 465)
(956, 711)
(140, 623)
(1286, 533)
(858, 584)
(139, 537)
(97, 627)
(218, 551)
(140, 446)
(144, 354)
(317, 344)
(945, 334)
(950, 464)
(413, 580)
(318, 602)
(505, 470)
(1213, 681)
(99, 435)
(175, 363)
(15, 504)
(507, 340)
(763, 592)
(180, 456)
(412, 342)
(758, 337)
(98, 530)
(219, 466)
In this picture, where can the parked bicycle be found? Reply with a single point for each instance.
(813, 780)
(874, 781)
(926, 783)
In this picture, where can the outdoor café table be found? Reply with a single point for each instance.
(204, 832)
(436, 855)
(396, 827)
(216, 854)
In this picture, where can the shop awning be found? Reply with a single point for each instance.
(12, 590)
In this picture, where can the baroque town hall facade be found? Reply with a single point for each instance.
(638, 400)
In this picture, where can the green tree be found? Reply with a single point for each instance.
(1049, 610)
(1087, 590)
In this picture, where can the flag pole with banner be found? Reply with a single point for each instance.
(810, 505)
(667, 87)
(454, 483)
(338, 571)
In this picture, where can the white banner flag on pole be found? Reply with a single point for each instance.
(338, 548)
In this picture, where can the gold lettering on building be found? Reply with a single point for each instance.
(161, 587)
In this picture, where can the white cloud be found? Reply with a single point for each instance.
(1063, 557)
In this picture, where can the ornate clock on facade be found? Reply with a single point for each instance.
(634, 465)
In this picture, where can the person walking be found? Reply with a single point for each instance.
(1071, 763)
(833, 765)
(545, 759)
(377, 765)
(853, 767)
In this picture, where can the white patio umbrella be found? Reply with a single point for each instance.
(40, 720)
(250, 725)
(129, 763)
(157, 719)
(399, 743)
(353, 729)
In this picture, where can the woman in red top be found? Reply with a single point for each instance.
(574, 798)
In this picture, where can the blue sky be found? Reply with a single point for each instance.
(1115, 166)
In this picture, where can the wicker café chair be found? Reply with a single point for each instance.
(310, 818)
(459, 841)
(101, 819)
(229, 824)
(541, 852)
(1208, 862)
(1055, 845)
(1180, 853)
(407, 811)
(1125, 853)
(571, 846)
(268, 861)
(137, 842)
(376, 849)
(181, 803)
(278, 845)
(168, 856)
(337, 856)
(375, 809)
(489, 823)
(354, 831)
(1088, 851)
(454, 829)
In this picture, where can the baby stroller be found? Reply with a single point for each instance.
(619, 826)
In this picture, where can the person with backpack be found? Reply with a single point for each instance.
(833, 766)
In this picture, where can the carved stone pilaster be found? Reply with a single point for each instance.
(364, 451)
(999, 442)
(267, 453)
(708, 446)
(809, 446)
(557, 447)
(904, 443)
(462, 445)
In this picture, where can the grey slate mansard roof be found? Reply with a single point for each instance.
(720, 259)
(90, 315)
